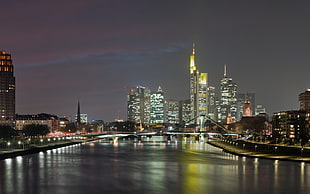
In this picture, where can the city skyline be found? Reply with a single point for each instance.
(95, 51)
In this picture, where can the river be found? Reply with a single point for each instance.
(149, 167)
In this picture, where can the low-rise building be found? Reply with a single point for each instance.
(52, 121)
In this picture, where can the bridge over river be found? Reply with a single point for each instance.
(166, 136)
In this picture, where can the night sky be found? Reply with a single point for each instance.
(95, 50)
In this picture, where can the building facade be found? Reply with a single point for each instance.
(7, 90)
(52, 121)
(291, 127)
(185, 111)
(138, 105)
(157, 106)
(172, 111)
(211, 103)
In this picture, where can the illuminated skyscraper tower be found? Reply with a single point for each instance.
(198, 89)
(227, 110)
(157, 106)
(211, 103)
(7, 90)
(138, 104)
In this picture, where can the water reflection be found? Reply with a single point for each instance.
(149, 167)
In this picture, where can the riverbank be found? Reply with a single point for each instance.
(263, 150)
(10, 153)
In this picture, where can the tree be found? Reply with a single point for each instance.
(6, 132)
(33, 130)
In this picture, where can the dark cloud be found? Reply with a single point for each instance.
(96, 50)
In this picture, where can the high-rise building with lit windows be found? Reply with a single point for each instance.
(157, 106)
(172, 111)
(138, 105)
(7, 90)
(198, 89)
(211, 103)
(227, 110)
(185, 111)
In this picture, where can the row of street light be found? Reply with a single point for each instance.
(27, 142)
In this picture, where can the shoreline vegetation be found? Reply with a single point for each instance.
(262, 150)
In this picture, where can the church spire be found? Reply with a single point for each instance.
(78, 115)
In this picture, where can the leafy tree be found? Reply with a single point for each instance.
(33, 130)
(6, 132)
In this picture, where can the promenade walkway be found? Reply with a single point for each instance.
(252, 149)
(13, 152)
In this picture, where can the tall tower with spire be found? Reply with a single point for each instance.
(194, 75)
(227, 109)
(198, 89)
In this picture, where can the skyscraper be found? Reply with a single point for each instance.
(7, 90)
(198, 89)
(157, 106)
(185, 111)
(138, 105)
(172, 111)
(227, 110)
(211, 102)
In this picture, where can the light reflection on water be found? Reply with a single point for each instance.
(149, 167)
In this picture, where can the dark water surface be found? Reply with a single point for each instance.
(128, 167)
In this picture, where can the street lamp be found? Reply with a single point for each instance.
(19, 142)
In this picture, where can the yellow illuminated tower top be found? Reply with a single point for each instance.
(192, 60)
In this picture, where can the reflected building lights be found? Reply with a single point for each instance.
(302, 174)
(256, 173)
(276, 167)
